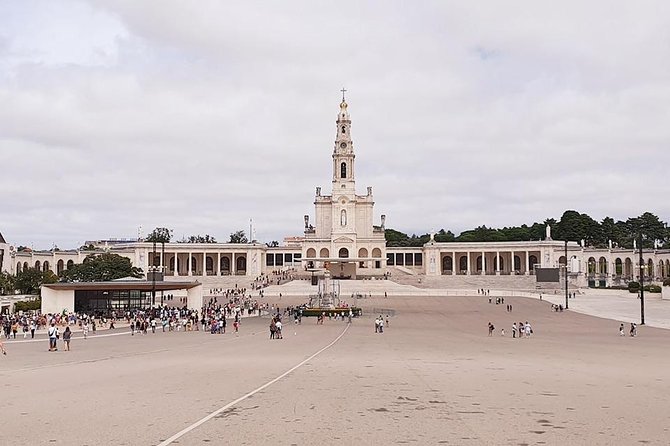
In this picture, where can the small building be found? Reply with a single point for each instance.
(101, 298)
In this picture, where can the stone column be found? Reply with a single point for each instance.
(511, 265)
(527, 264)
(188, 264)
(483, 263)
(233, 264)
(497, 263)
(468, 272)
(453, 263)
(176, 264)
(217, 269)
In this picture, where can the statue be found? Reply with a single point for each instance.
(383, 220)
(306, 221)
(548, 233)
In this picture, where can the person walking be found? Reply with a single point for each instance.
(621, 330)
(528, 329)
(491, 328)
(67, 335)
(514, 330)
(53, 336)
(84, 329)
(278, 328)
(32, 329)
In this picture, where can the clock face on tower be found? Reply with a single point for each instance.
(343, 145)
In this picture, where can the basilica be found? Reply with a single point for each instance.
(344, 239)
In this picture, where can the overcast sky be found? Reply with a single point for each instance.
(201, 115)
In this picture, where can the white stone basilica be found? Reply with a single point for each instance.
(343, 240)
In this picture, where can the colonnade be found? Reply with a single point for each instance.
(201, 264)
(488, 262)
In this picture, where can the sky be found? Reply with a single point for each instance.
(199, 116)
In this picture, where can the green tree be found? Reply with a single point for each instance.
(101, 268)
(395, 238)
(6, 283)
(30, 280)
(649, 226)
(238, 237)
(201, 239)
(28, 305)
(160, 235)
(444, 236)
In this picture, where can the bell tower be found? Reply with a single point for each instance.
(343, 238)
(344, 182)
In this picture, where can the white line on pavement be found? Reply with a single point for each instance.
(244, 397)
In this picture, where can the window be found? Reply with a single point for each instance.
(418, 259)
(344, 130)
(343, 170)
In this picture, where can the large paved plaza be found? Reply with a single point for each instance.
(433, 377)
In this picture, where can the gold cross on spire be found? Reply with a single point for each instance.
(343, 91)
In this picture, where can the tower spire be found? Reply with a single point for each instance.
(343, 90)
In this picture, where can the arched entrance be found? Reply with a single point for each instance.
(447, 264)
(225, 265)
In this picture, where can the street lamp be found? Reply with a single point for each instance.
(153, 277)
(641, 283)
(567, 295)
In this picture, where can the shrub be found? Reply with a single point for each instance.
(666, 282)
(653, 288)
(633, 287)
(28, 305)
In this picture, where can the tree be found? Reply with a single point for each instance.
(30, 280)
(395, 238)
(444, 236)
(649, 226)
(238, 237)
(200, 239)
(160, 235)
(6, 283)
(101, 268)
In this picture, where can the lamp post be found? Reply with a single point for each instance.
(163, 265)
(153, 276)
(567, 295)
(641, 283)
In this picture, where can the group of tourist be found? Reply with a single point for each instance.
(632, 331)
(524, 329)
(275, 277)
(276, 327)
(379, 323)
